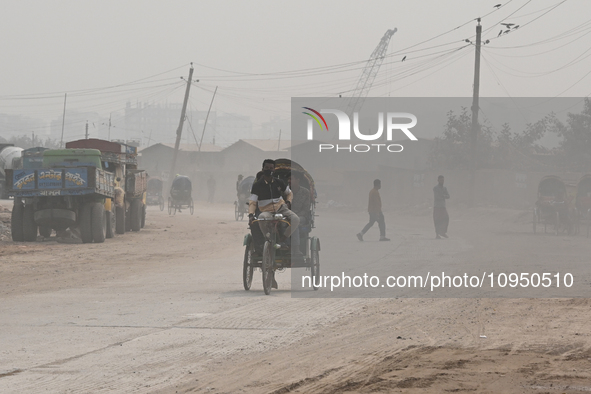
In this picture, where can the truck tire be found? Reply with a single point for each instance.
(111, 224)
(128, 218)
(16, 221)
(85, 223)
(120, 220)
(98, 221)
(29, 225)
(45, 231)
(136, 215)
(143, 215)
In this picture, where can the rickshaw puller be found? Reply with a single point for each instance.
(268, 193)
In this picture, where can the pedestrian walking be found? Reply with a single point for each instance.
(210, 189)
(440, 215)
(374, 208)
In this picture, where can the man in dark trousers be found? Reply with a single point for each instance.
(267, 195)
(440, 216)
(374, 207)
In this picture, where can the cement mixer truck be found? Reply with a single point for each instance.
(10, 159)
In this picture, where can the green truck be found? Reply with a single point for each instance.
(70, 191)
(131, 182)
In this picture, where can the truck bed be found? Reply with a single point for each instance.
(73, 181)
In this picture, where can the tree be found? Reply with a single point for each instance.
(453, 150)
(25, 142)
(575, 148)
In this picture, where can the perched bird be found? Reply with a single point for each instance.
(507, 31)
(404, 58)
(497, 6)
(501, 32)
(516, 27)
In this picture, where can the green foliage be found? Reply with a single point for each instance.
(25, 142)
(494, 149)
(575, 149)
(454, 149)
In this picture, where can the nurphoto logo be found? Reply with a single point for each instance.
(392, 120)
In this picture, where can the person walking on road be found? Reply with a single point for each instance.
(374, 207)
(210, 189)
(440, 216)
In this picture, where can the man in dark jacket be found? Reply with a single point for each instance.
(374, 207)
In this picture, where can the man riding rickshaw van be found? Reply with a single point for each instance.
(267, 194)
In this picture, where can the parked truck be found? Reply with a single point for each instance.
(132, 183)
(69, 191)
(9, 159)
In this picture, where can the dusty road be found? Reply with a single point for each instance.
(163, 311)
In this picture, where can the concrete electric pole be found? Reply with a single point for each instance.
(475, 109)
(179, 130)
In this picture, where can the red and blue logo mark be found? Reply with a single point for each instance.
(315, 118)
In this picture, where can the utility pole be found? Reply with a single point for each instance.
(179, 130)
(33, 139)
(109, 135)
(63, 121)
(87, 129)
(475, 109)
(279, 142)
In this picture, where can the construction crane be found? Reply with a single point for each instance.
(369, 73)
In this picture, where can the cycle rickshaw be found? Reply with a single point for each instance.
(553, 206)
(583, 202)
(243, 191)
(154, 192)
(272, 258)
(180, 195)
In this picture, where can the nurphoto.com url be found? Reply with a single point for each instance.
(433, 282)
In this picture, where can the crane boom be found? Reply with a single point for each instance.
(369, 72)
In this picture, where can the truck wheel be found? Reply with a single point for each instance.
(136, 215)
(143, 215)
(111, 224)
(29, 225)
(85, 222)
(120, 220)
(128, 218)
(16, 221)
(98, 221)
(45, 231)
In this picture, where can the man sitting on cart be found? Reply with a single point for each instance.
(267, 194)
(300, 202)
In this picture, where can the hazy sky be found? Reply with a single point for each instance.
(82, 47)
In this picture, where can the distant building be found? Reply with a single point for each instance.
(246, 155)
(74, 126)
(159, 122)
(16, 125)
(157, 159)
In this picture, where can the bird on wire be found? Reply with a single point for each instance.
(501, 32)
(404, 58)
(497, 6)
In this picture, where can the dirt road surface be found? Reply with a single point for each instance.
(164, 311)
